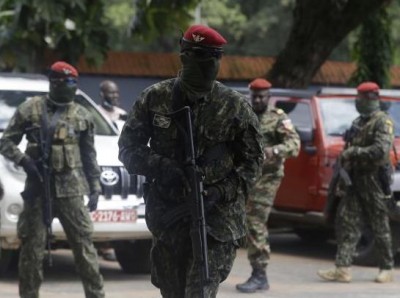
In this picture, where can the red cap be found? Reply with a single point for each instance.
(204, 36)
(368, 87)
(260, 84)
(65, 69)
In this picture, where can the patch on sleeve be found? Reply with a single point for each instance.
(287, 123)
(279, 111)
(389, 126)
(161, 121)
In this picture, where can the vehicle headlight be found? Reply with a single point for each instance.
(13, 211)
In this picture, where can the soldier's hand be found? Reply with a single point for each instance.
(349, 153)
(268, 153)
(93, 201)
(172, 174)
(30, 168)
(212, 195)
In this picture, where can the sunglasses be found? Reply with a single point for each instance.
(67, 80)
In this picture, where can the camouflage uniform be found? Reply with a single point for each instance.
(72, 157)
(365, 201)
(222, 117)
(279, 133)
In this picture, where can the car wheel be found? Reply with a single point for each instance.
(8, 261)
(133, 256)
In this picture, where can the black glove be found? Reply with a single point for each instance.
(212, 195)
(171, 174)
(93, 200)
(30, 168)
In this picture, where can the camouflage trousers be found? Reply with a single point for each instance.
(258, 209)
(364, 205)
(174, 270)
(78, 228)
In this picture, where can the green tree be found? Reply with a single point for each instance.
(318, 27)
(29, 29)
(373, 50)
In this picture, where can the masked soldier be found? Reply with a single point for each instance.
(109, 94)
(67, 130)
(228, 153)
(280, 141)
(365, 155)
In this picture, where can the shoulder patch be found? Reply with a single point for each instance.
(287, 123)
(389, 126)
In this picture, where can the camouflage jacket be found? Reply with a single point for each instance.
(373, 139)
(222, 117)
(72, 153)
(278, 132)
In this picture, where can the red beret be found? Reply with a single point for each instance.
(260, 84)
(65, 69)
(204, 36)
(368, 87)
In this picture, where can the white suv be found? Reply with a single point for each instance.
(119, 218)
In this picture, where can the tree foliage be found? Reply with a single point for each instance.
(373, 50)
(67, 28)
(318, 27)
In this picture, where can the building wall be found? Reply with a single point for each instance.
(129, 87)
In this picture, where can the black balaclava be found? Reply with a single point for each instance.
(62, 91)
(367, 104)
(198, 74)
(63, 83)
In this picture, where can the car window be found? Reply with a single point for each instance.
(11, 99)
(298, 112)
(337, 115)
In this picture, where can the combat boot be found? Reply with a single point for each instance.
(257, 282)
(384, 276)
(341, 274)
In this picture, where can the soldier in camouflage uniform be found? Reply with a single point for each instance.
(280, 141)
(74, 173)
(229, 155)
(366, 152)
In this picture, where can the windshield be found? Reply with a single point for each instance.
(338, 114)
(11, 99)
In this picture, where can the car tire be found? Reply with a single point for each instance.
(8, 261)
(133, 256)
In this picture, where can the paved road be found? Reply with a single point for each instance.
(291, 272)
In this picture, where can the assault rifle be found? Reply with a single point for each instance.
(198, 233)
(339, 173)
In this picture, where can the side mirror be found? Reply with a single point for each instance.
(306, 134)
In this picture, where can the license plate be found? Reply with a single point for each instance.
(114, 215)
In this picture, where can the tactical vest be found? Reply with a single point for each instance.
(65, 152)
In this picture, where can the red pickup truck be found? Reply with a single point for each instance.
(321, 117)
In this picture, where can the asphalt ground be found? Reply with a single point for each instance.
(292, 273)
